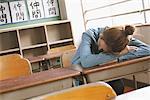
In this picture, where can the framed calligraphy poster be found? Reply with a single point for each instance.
(18, 11)
(35, 8)
(51, 8)
(4, 13)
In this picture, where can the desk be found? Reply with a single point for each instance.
(54, 53)
(37, 84)
(44, 57)
(43, 60)
(139, 94)
(116, 70)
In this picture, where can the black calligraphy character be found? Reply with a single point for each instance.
(19, 14)
(35, 13)
(52, 11)
(50, 2)
(3, 17)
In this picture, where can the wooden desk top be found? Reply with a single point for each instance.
(44, 57)
(35, 59)
(139, 94)
(52, 53)
(114, 64)
(36, 79)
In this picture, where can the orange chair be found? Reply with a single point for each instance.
(14, 65)
(91, 91)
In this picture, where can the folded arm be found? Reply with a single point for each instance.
(142, 49)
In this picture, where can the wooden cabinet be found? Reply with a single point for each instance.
(36, 39)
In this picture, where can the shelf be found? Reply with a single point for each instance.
(27, 53)
(32, 36)
(38, 42)
(57, 22)
(10, 50)
(59, 32)
(36, 38)
(34, 25)
(34, 46)
(8, 40)
(61, 41)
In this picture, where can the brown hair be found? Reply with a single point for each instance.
(116, 39)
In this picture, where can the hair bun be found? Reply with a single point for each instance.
(129, 30)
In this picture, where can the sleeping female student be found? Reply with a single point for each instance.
(101, 45)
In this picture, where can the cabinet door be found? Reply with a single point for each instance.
(9, 42)
(59, 34)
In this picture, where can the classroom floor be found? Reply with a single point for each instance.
(128, 89)
(129, 85)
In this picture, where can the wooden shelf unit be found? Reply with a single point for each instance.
(36, 39)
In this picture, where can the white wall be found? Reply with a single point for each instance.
(144, 30)
(74, 13)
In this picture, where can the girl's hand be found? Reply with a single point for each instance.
(132, 48)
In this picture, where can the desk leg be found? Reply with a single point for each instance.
(40, 66)
(61, 63)
(44, 65)
(135, 82)
(78, 80)
(84, 79)
(148, 73)
(74, 82)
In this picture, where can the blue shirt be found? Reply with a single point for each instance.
(88, 54)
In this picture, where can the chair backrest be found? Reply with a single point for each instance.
(61, 49)
(67, 57)
(91, 91)
(14, 65)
